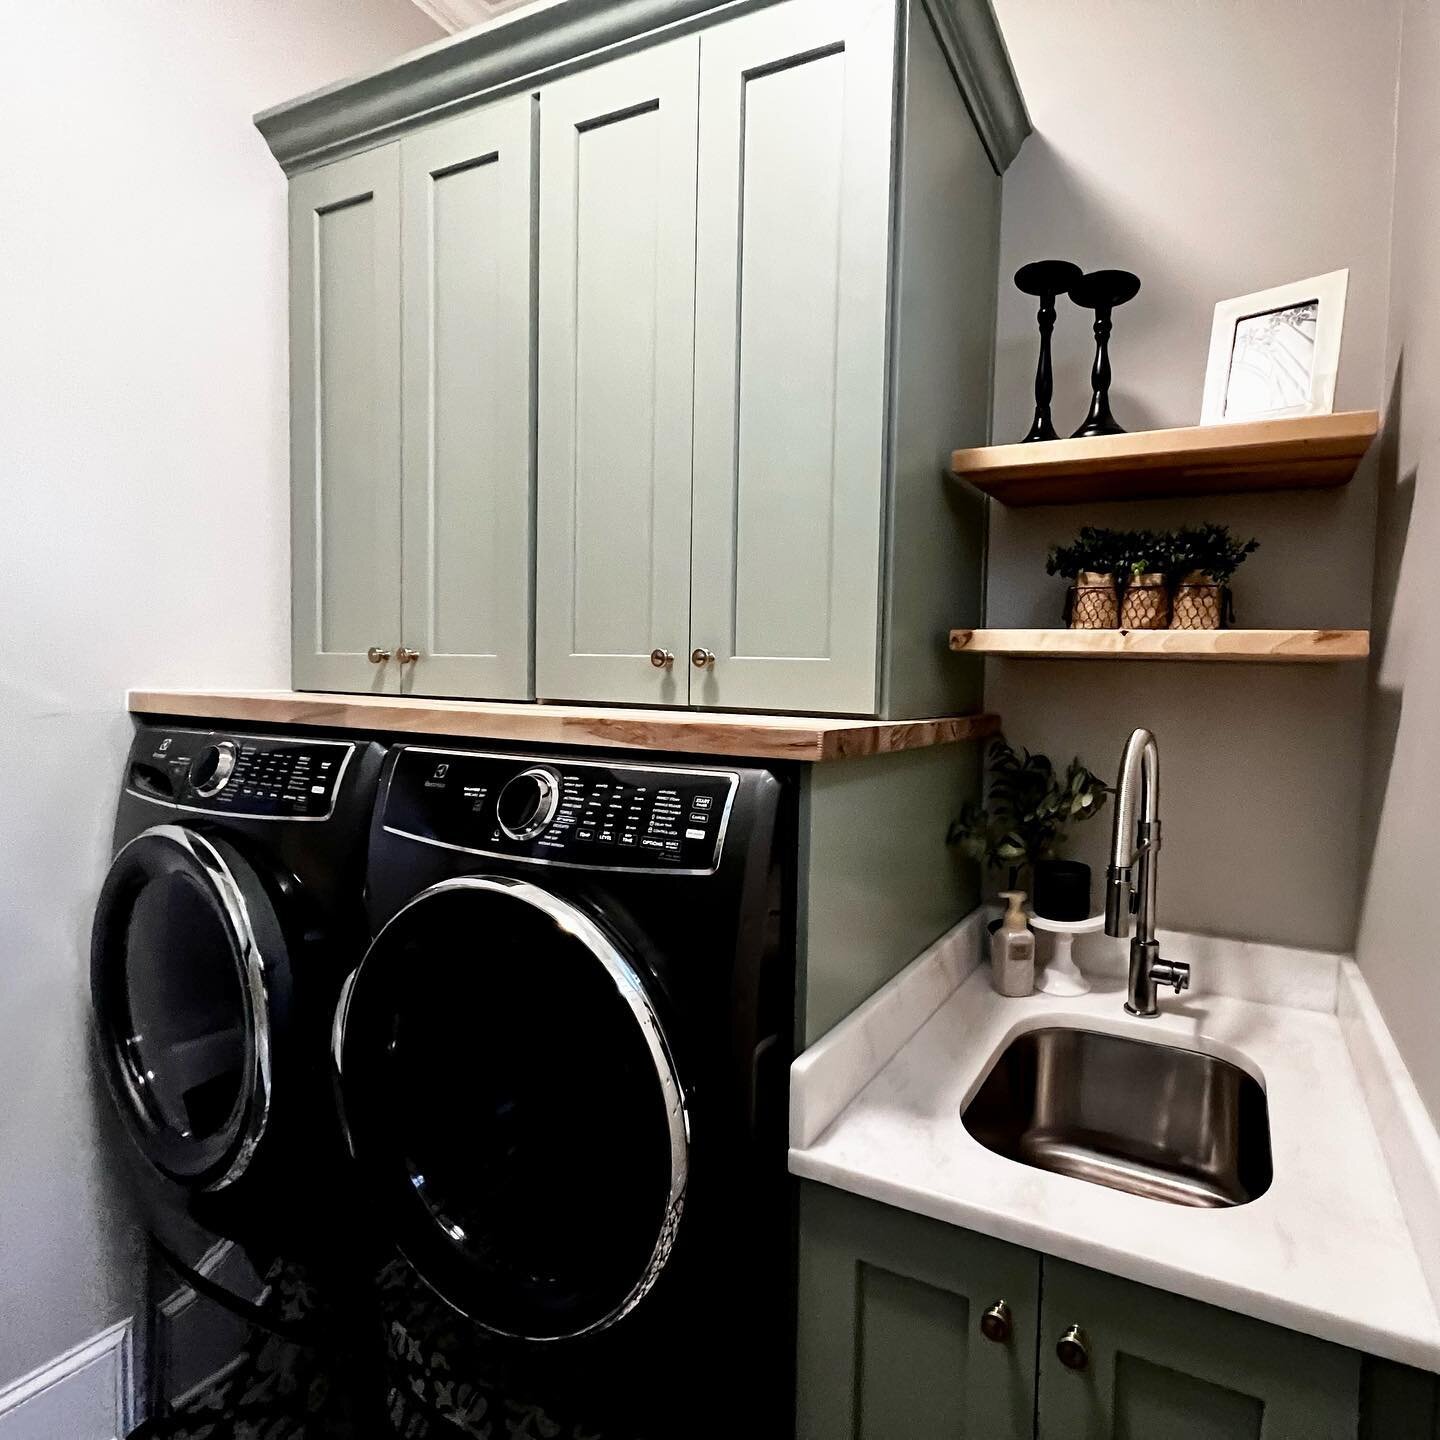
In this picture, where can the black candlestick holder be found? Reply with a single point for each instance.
(1045, 279)
(1101, 291)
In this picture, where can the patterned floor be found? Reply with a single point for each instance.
(408, 1388)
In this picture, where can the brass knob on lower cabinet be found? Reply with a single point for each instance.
(661, 659)
(997, 1324)
(1073, 1348)
(407, 657)
(376, 656)
(702, 659)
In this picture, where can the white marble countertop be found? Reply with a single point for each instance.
(1326, 1250)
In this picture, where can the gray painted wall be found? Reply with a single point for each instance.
(1214, 148)
(144, 469)
(1400, 913)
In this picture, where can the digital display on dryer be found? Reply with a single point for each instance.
(581, 813)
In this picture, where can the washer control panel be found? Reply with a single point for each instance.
(245, 776)
(561, 812)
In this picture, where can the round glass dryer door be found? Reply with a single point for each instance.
(509, 1090)
(185, 951)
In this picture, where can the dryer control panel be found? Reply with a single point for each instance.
(579, 813)
(244, 776)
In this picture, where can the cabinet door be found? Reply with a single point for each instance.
(793, 238)
(467, 225)
(617, 302)
(345, 422)
(890, 1346)
(1162, 1365)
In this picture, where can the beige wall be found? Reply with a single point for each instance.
(1400, 912)
(1214, 147)
(143, 466)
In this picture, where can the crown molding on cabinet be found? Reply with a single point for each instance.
(541, 42)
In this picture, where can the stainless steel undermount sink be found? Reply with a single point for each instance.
(1151, 1119)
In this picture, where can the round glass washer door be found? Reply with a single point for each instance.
(510, 1094)
(185, 951)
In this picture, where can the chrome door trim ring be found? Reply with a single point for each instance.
(631, 989)
(255, 990)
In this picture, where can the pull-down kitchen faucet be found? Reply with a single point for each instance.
(1136, 841)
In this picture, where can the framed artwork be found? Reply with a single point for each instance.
(1276, 352)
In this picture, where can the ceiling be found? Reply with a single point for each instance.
(453, 15)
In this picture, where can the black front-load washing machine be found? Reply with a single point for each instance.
(231, 914)
(563, 1067)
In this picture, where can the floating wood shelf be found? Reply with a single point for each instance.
(810, 738)
(1309, 452)
(1265, 647)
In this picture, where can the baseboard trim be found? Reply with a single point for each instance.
(87, 1393)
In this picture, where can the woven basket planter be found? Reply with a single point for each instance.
(1146, 605)
(1201, 603)
(1093, 602)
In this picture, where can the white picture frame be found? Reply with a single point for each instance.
(1276, 352)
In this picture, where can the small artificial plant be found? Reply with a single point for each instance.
(1128, 553)
(1095, 551)
(1143, 552)
(1209, 549)
(1027, 810)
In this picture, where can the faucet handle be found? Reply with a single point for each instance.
(1120, 898)
(1174, 973)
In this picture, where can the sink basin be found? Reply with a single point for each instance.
(1150, 1119)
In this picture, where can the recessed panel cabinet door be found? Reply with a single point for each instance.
(345, 422)
(793, 241)
(1148, 1363)
(890, 1338)
(617, 267)
(467, 226)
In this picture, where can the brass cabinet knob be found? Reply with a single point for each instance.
(376, 656)
(1073, 1348)
(997, 1324)
(702, 659)
(407, 657)
(661, 659)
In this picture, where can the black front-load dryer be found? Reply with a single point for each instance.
(229, 918)
(563, 1070)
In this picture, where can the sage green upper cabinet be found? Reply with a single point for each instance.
(1156, 1364)
(796, 120)
(616, 325)
(659, 321)
(345, 422)
(467, 229)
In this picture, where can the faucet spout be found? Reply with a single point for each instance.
(1132, 878)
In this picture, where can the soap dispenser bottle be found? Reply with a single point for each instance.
(1012, 949)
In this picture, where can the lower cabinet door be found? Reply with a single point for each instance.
(1149, 1364)
(891, 1345)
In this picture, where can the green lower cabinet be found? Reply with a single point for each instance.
(1154, 1364)
(891, 1347)
(890, 1344)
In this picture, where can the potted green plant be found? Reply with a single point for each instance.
(1203, 559)
(1090, 564)
(1145, 604)
(1027, 813)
